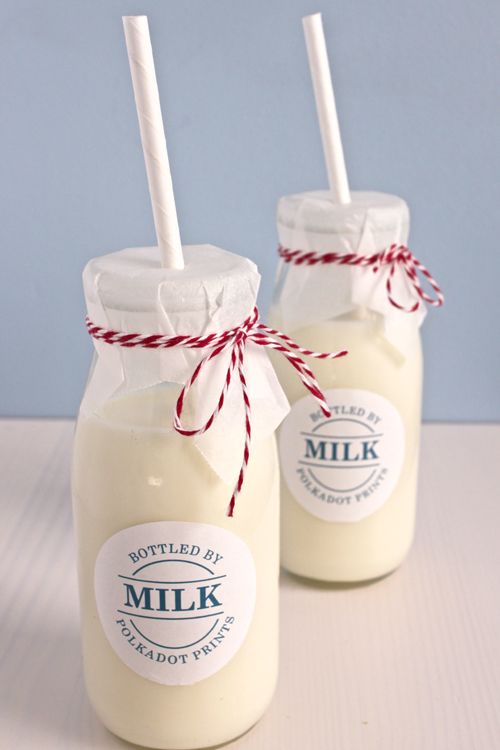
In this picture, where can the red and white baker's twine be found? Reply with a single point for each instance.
(397, 257)
(234, 340)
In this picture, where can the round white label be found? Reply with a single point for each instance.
(343, 467)
(175, 599)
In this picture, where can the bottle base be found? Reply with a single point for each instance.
(344, 577)
(140, 746)
(219, 739)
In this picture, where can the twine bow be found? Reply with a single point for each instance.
(234, 341)
(399, 259)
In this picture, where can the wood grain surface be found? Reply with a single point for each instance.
(410, 662)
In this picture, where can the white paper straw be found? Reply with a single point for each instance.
(325, 104)
(154, 146)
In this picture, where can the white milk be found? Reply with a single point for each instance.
(179, 602)
(348, 487)
(376, 544)
(127, 471)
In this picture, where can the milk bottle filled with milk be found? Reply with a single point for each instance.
(179, 600)
(349, 481)
(175, 476)
(347, 279)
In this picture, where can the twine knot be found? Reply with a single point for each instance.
(235, 342)
(399, 258)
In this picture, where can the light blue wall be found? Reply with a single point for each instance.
(417, 87)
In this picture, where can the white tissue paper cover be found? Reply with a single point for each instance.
(372, 222)
(129, 291)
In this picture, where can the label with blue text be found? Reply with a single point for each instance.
(175, 599)
(343, 467)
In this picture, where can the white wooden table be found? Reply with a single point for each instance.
(411, 662)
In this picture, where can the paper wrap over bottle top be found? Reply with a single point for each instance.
(309, 294)
(129, 291)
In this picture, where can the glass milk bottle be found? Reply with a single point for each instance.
(179, 602)
(349, 482)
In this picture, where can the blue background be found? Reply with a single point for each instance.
(417, 90)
